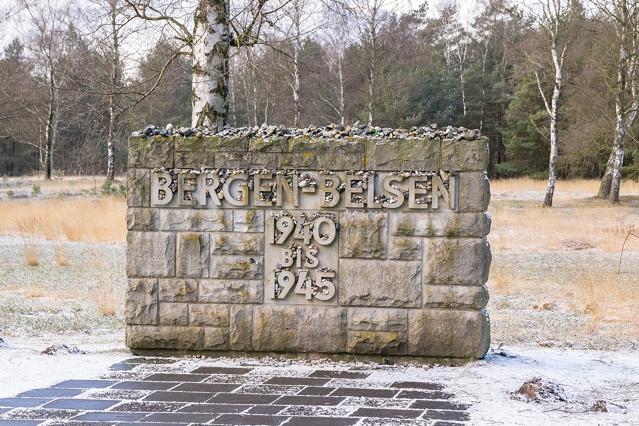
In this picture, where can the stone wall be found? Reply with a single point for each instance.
(355, 245)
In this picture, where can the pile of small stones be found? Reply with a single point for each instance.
(332, 131)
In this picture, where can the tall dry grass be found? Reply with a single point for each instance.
(528, 226)
(31, 253)
(590, 186)
(73, 219)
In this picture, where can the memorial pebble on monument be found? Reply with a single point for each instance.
(319, 240)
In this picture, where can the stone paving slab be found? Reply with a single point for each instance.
(182, 391)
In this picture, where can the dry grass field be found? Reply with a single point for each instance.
(553, 280)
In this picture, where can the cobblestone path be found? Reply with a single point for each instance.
(200, 391)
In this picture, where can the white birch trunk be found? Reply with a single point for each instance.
(210, 64)
(115, 80)
(342, 99)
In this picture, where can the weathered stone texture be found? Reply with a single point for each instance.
(150, 254)
(165, 337)
(375, 319)
(193, 255)
(141, 302)
(380, 283)
(209, 315)
(408, 281)
(474, 192)
(295, 328)
(143, 219)
(456, 261)
(248, 221)
(237, 267)
(138, 187)
(440, 224)
(237, 243)
(377, 331)
(241, 330)
(196, 220)
(455, 296)
(178, 290)
(231, 291)
(398, 154)
(405, 248)
(464, 155)
(363, 234)
(448, 333)
(173, 313)
(377, 342)
(152, 152)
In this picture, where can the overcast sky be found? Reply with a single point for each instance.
(468, 10)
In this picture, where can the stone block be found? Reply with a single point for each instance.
(465, 155)
(231, 160)
(192, 255)
(446, 333)
(455, 296)
(164, 337)
(363, 234)
(237, 267)
(265, 160)
(404, 154)
(375, 319)
(241, 329)
(194, 159)
(248, 221)
(150, 254)
(474, 192)
(299, 329)
(142, 219)
(212, 144)
(214, 339)
(208, 314)
(405, 248)
(178, 290)
(456, 261)
(141, 302)
(441, 224)
(151, 152)
(196, 219)
(274, 144)
(380, 283)
(231, 291)
(377, 342)
(138, 184)
(173, 313)
(238, 243)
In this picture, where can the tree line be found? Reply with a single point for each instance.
(554, 84)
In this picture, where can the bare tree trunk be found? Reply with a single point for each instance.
(232, 92)
(51, 128)
(210, 64)
(461, 55)
(483, 86)
(297, 17)
(115, 79)
(553, 112)
(342, 99)
(371, 89)
(251, 65)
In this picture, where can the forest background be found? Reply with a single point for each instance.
(316, 62)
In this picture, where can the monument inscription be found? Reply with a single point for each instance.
(356, 245)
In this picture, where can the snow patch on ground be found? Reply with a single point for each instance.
(23, 366)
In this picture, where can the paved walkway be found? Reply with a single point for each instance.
(206, 391)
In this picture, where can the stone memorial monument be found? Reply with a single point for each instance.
(316, 241)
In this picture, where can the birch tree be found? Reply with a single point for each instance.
(623, 15)
(552, 20)
(213, 33)
(49, 22)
